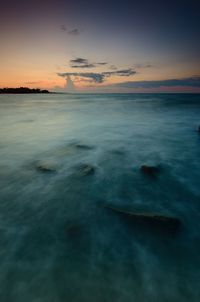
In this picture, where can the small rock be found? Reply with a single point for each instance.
(86, 170)
(149, 170)
(73, 230)
(45, 167)
(72, 149)
(83, 147)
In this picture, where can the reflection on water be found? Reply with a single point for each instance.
(63, 160)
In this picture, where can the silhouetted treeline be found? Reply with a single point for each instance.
(22, 90)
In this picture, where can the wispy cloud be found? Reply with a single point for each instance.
(122, 72)
(34, 82)
(96, 77)
(99, 77)
(101, 63)
(79, 61)
(83, 66)
(63, 28)
(74, 32)
(113, 67)
(84, 63)
(143, 65)
(185, 82)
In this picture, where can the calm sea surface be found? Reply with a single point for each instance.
(63, 160)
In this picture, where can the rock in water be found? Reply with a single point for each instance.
(149, 219)
(73, 230)
(45, 167)
(72, 149)
(85, 170)
(149, 170)
(84, 147)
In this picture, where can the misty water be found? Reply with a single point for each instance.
(63, 160)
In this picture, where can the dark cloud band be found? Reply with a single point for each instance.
(186, 82)
(99, 77)
(96, 77)
(84, 63)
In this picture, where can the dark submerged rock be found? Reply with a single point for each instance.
(73, 230)
(86, 169)
(149, 170)
(155, 220)
(83, 147)
(45, 167)
(72, 149)
(198, 129)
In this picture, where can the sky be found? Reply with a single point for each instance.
(100, 46)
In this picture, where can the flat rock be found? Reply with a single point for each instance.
(149, 219)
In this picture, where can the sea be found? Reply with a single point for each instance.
(79, 220)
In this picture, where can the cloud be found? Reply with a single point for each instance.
(83, 66)
(149, 66)
(113, 67)
(139, 66)
(63, 28)
(122, 72)
(34, 82)
(74, 32)
(84, 63)
(79, 61)
(101, 63)
(98, 77)
(185, 82)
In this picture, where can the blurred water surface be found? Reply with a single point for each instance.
(58, 242)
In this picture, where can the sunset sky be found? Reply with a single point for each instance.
(102, 46)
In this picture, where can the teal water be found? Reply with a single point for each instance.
(58, 242)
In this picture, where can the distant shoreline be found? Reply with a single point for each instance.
(22, 90)
(26, 90)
